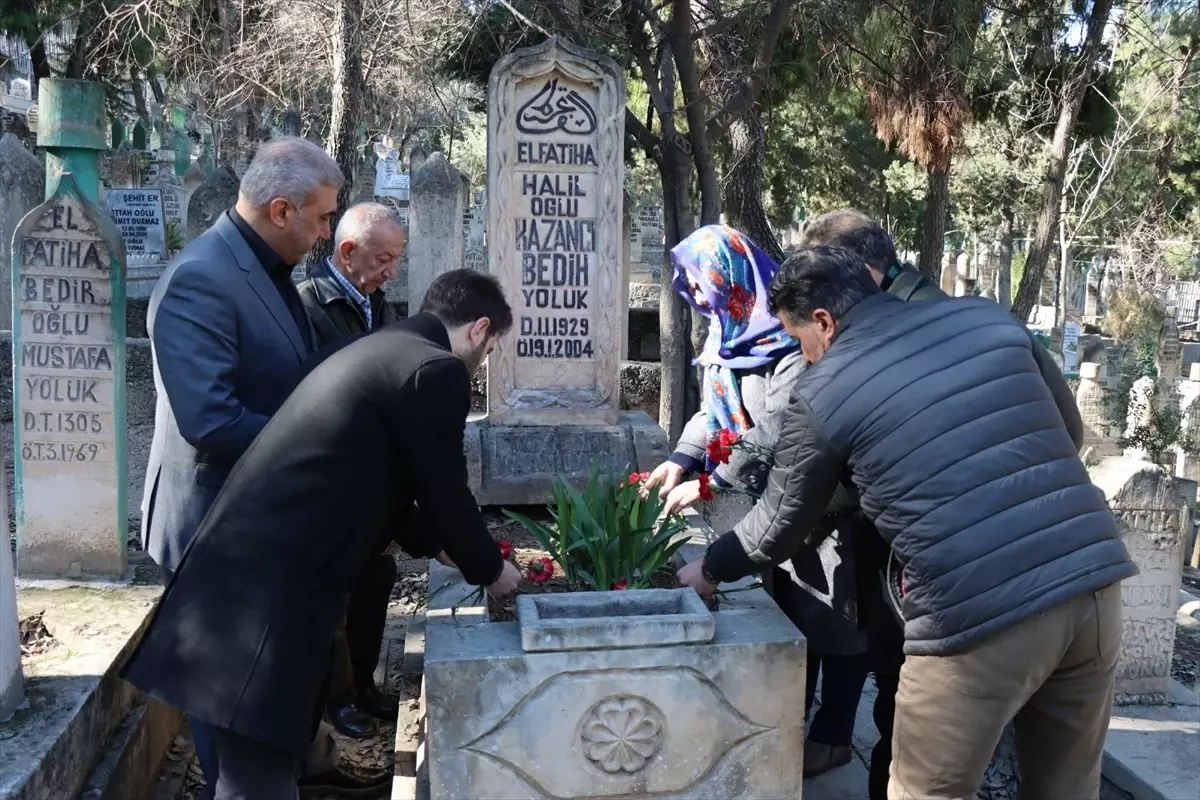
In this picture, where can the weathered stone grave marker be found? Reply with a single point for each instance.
(1154, 520)
(1099, 435)
(69, 355)
(22, 186)
(435, 243)
(213, 198)
(555, 195)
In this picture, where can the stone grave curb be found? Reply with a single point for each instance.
(130, 765)
(89, 719)
(1151, 751)
(1189, 607)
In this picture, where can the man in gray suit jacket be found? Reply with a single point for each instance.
(230, 337)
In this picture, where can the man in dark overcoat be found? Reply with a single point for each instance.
(242, 637)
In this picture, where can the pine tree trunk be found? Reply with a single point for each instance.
(937, 207)
(744, 181)
(346, 109)
(1071, 100)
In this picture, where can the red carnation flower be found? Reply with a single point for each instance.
(621, 585)
(540, 571)
(718, 452)
(506, 548)
(706, 492)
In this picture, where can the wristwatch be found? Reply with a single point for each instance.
(704, 573)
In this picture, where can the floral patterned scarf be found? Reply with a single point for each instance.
(725, 277)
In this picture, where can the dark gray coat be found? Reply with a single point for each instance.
(227, 352)
(942, 419)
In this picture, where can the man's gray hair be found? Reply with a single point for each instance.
(855, 231)
(359, 220)
(291, 168)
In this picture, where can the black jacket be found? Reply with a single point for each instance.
(335, 316)
(241, 638)
(941, 417)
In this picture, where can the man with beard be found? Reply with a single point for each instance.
(242, 637)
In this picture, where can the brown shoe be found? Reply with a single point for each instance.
(820, 758)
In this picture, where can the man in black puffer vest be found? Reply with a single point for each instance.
(855, 231)
(939, 415)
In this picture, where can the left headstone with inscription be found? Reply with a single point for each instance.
(69, 356)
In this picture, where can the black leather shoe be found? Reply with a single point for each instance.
(338, 783)
(379, 704)
(353, 721)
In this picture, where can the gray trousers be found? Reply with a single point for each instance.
(251, 770)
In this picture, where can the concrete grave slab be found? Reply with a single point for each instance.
(1153, 752)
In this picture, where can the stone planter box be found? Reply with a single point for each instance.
(612, 694)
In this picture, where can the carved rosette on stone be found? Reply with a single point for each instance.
(1154, 520)
(69, 389)
(555, 177)
(621, 733)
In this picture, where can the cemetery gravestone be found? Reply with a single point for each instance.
(435, 242)
(139, 216)
(474, 252)
(555, 180)
(1154, 520)
(291, 122)
(213, 198)
(1098, 433)
(650, 222)
(390, 180)
(22, 186)
(69, 404)
(554, 228)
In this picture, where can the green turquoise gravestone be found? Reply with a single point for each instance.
(118, 134)
(141, 139)
(69, 354)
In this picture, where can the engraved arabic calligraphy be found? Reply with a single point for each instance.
(557, 108)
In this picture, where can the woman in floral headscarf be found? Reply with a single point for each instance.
(750, 364)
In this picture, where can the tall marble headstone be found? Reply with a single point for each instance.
(1155, 523)
(69, 399)
(22, 186)
(555, 178)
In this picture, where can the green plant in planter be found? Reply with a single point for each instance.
(174, 236)
(607, 536)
